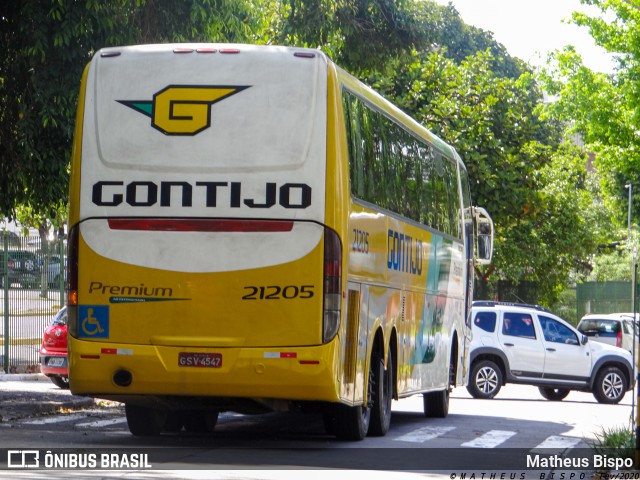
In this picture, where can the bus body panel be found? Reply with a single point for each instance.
(256, 150)
(216, 307)
(303, 373)
(189, 161)
(430, 268)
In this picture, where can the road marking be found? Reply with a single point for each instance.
(54, 419)
(558, 442)
(425, 434)
(102, 423)
(491, 439)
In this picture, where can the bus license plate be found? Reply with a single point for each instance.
(199, 359)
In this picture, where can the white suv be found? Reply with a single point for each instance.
(516, 343)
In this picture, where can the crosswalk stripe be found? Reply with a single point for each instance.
(491, 439)
(425, 434)
(53, 419)
(102, 423)
(558, 442)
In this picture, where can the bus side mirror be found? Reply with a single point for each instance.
(484, 236)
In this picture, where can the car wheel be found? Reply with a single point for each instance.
(485, 380)
(61, 382)
(610, 385)
(554, 394)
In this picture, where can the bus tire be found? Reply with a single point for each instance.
(144, 421)
(329, 421)
(352, 423)
(436, 404)
(173, 422)
(199, 421)
(382, 395)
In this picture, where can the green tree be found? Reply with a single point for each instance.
(46, 44)
(515, 160)
(356, 34)
(449, 34)
(605, 108)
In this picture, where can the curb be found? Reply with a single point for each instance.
(22, 377)
(27, 409)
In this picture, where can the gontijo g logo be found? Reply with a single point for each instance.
(182, 109)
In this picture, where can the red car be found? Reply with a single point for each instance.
(53, 352)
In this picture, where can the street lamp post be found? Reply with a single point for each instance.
(630, 187)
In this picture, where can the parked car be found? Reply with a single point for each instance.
(22, 267)
(13, 239)
(55, 271)
(53, 351)
(527, 344)
(614, 328)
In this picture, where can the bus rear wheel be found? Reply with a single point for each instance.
(352, 423)
(199, 421)
(144, 421)
(436, 404)
(382, 395)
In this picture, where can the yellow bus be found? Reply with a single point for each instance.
(252, 229)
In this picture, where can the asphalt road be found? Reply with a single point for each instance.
(519, 418)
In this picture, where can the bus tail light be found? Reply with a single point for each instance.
(72, 281)
(332, 285)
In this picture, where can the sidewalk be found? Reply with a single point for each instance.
(29, 395)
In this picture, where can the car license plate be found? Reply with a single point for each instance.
(199, 359)
(55, 362)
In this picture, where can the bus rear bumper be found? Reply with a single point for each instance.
(122, 370)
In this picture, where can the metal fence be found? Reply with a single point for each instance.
(32, 275)
(604, 297)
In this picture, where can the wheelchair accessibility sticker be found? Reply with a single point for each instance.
(94, 321)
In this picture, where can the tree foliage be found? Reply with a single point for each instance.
(534, 187)
(46, 44)
(605, 108)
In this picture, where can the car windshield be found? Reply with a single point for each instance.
(599, 326)
(60, 318)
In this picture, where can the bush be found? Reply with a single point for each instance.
(615, 443)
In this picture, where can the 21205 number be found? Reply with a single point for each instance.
(276, 292)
